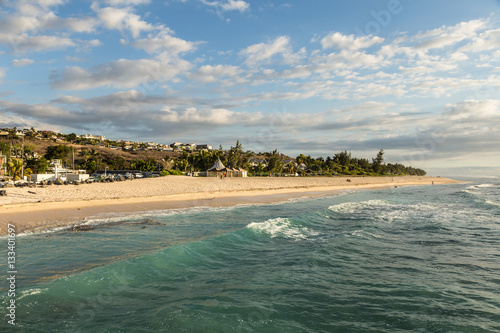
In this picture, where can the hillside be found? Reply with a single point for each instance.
(35, 147)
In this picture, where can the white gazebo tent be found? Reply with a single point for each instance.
(216, 169)
(219, 167)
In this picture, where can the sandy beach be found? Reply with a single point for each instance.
(34, 209)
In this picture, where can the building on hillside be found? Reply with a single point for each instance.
(188, 146)
(302, 167)
(94, 137)
(204, 147)
(152, 145)
(256, 161)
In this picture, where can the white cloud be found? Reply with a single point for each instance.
(34, 27)
(488, 40)
(34, 7)
(228, 5)
(458, 56)
(37, 110)
(122, 73)
(447, 36)
(445, 86)
(123, 19)
(299, 71)
(371, 107)
(23, 43)
(19, 23)
(127, 2)
(203, 116)
(164, 42)
(264, 52)
(346, 60)
(133, 112)
(22, 62)
(485, 112)
(343, 42)
(85, 24)
(210, 73)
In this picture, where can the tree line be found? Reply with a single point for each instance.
(268, 163)
(273, 162)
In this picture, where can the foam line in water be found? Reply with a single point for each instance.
(41, 232)
(486, 185)
(478, 187)
(282, 227)
(351, 207)
(110, 218)
(493, 203)
(392, 212)
(30, 292)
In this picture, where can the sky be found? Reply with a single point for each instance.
(419, 79)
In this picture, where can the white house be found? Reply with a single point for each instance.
(204, 147)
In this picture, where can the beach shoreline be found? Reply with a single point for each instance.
(64, 206)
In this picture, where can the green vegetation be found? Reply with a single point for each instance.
(274, 163)
(14, 167)
(60, 152)
(166, 172)
(37, 164)
(144, 165)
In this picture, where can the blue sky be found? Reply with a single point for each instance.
(419, 79)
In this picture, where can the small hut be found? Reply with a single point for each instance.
(243, 172)
(218, 167)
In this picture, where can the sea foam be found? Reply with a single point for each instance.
(283, 228)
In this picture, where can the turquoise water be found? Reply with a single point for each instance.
(415, 259)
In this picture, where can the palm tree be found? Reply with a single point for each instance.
(181, 164)
(15, 167)
(290, 167)
(94, 153)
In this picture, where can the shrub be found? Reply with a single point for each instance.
(166, 172)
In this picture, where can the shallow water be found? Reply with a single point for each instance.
(418, 259)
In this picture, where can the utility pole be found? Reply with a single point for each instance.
(22, 160)
(10, 158)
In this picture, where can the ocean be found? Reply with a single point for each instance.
(408, 259)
